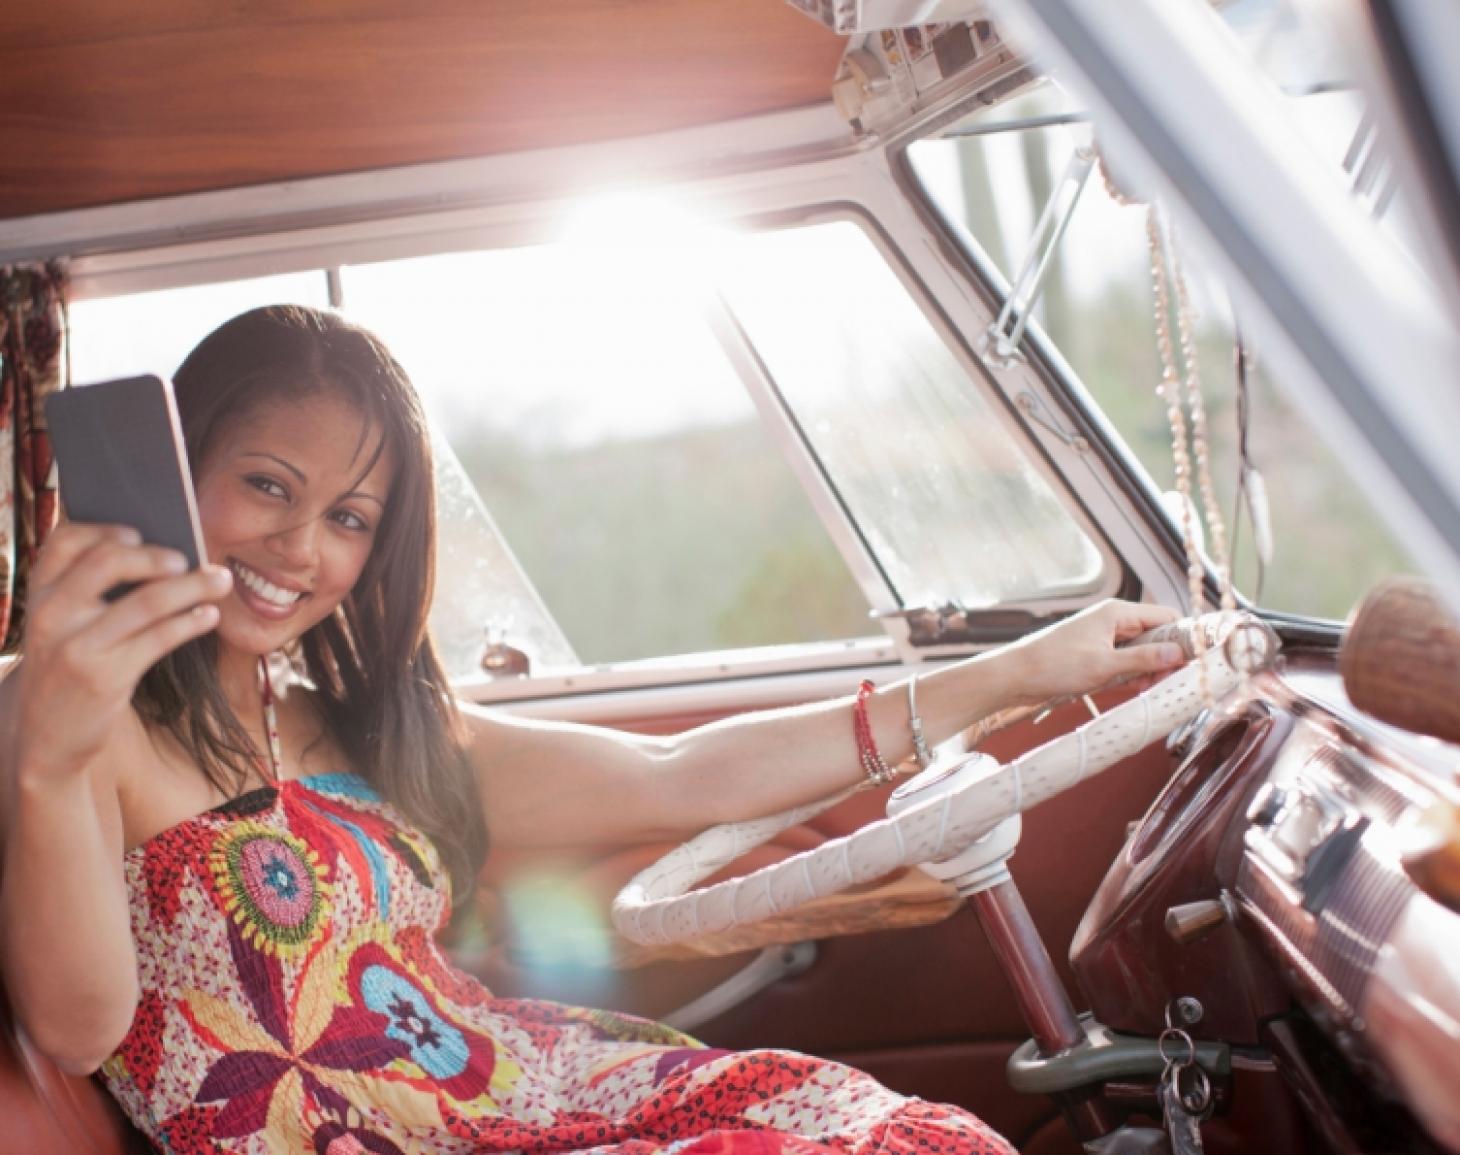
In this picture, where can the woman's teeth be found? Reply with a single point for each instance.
(262, 588)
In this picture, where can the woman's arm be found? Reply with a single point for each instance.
(562, 784)
(65, 937)
(66, 723)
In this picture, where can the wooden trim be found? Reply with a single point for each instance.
(104, 104)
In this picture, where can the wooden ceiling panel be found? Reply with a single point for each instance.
(102, 103)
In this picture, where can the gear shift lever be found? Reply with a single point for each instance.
(981, 874)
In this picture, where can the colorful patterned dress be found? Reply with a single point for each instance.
(294, 1000)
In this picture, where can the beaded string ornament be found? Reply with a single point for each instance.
(1166, 276)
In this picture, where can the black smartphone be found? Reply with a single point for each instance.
(121, 460)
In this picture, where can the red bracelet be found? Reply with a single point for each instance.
(878, 772)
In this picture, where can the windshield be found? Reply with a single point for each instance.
(950, 506)
(991, 175)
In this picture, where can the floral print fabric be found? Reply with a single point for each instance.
(294, 1001)
(32, 335)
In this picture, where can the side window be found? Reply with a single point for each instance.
(153, 332)
(601, 423)
(606, 490)
(992, 174)
(949, 502)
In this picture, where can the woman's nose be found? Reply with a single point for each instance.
(297, 544)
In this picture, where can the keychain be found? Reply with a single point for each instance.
(1184, 1091)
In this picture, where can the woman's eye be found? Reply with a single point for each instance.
(351, 521)
(267, 485)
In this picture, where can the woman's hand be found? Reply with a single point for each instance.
(82, 656)
(1080, 655)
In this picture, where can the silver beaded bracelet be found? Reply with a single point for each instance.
(915, 723)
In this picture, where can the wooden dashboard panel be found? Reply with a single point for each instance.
(103, 102)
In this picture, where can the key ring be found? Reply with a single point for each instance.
(1176, 1033)
(1198, 1097)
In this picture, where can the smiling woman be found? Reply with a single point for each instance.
(305, 692)
(314, 484)
(719, 527)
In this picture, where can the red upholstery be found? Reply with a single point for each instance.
(43, 1112)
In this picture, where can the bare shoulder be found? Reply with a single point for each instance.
(158, 783)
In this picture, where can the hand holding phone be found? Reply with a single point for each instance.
(133, 527)
(82, 655)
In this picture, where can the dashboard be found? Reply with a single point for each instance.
(1268, 882)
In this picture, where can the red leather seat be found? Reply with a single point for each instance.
(44, 1112)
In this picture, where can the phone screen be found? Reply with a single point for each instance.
(120, 454)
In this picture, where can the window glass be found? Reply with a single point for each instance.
(601, 423)
(608, 490)
(1294, 45)
(479, 586)
(482, 596)
(153, 332)
(948, 501)
(1097, 308)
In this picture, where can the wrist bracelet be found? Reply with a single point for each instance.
(915, 724)
(878, 772)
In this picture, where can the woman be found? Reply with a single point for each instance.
(221, 885)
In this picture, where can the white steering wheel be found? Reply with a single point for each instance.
(942, 812)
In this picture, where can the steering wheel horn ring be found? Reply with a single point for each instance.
(934, 822)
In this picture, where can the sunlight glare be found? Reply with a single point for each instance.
(556, 922)
(636, 219)
(644, 242)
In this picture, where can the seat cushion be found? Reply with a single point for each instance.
(46, 1112)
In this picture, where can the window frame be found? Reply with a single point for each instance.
(822, 490)
(1043, 359)
(831, 181)
(1044, 355)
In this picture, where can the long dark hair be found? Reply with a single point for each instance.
(381, 688)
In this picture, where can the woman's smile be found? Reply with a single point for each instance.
(272, 598)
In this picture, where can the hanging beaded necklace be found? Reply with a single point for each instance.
(1186, 439)
(271, 725)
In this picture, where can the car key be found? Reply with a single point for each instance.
(1183, 1091)
(1183, 1128)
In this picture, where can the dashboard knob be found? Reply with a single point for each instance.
(1191, 920)
(1178, 742)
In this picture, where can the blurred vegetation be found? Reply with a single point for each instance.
(1331, 544)
(702, 540)
(677, 544)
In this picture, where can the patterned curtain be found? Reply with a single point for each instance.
(32, 366)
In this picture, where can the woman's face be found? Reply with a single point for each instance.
(283, 505)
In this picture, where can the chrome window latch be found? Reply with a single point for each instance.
(998, 347)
